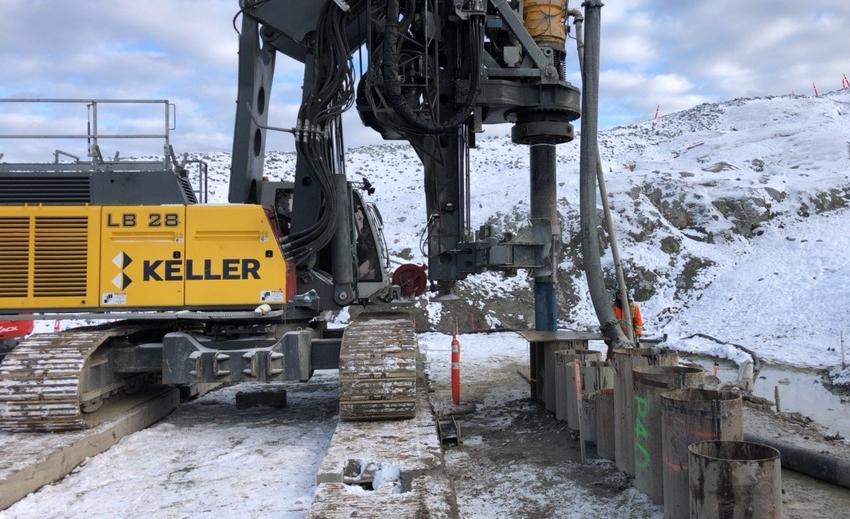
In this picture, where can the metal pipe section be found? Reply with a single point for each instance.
(545, 229)
(546, 372)
(689, 416)
(588, 174)
(601, 376)
(561, 385)
(649, 383)
(625, 360)
(740, 479)
(605, 444)
(585, 359)
(588, 417)
(820, 466)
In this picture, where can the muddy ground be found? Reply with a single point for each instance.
(518, 461)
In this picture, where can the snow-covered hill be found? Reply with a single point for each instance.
(730, 215)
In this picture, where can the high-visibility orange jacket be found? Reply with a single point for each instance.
(637, 318)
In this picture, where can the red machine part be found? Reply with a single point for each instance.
(15, 329)
(411, 278)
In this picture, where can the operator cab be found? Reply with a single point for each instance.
(371, 259)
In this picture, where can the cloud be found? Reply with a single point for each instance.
(675, 53)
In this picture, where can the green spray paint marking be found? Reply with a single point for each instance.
(641, 432)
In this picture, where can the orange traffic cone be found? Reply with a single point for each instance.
(455, 369)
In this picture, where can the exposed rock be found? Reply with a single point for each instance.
(775, 194)
(746, 214)
(717, 167)
(641, 281)
(687, 279)
(672, 210)
(671, 244)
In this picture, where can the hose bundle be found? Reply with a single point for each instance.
(318, 134)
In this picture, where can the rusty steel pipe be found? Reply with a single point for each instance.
(585, 358)
(689, 416)
(605, 424)
(561, 385)
(734, 480)
(601, 376)
(649, 383)
(625, 360)
(588, 416)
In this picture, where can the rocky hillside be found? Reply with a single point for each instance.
(730, 217)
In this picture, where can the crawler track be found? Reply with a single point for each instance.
(41, 380)
(377, 368)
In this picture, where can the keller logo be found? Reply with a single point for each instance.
(121, 280)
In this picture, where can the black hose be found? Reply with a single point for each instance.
(318, 139)
(392, 81)
(609, 325)
(824, 467)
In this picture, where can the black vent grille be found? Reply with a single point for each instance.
(61, 256)
(65, 189)
(14, 256)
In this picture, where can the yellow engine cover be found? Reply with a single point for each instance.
(139, 257)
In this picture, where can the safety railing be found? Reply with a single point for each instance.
(93, 135)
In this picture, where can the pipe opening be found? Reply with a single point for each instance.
(734, 451)
(700, 395)
(655, 371)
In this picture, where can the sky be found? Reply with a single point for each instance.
(671, 54)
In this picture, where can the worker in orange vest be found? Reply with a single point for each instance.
(637, 318)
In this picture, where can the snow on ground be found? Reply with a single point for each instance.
(786, 298)
(208, 459)
(516, 460)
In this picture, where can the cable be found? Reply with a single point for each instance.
(244, 5)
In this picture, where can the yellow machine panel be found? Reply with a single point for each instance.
(141, 256)
(232, 255)
(49, 256)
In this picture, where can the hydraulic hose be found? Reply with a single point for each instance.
(392, 81)
(588, 166)
(578, 19)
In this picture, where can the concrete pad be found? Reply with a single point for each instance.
(28, 461)
(411, 445)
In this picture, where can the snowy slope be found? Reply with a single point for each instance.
(700, 196)
(786, 297)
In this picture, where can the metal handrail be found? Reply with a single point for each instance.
(92, 135)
